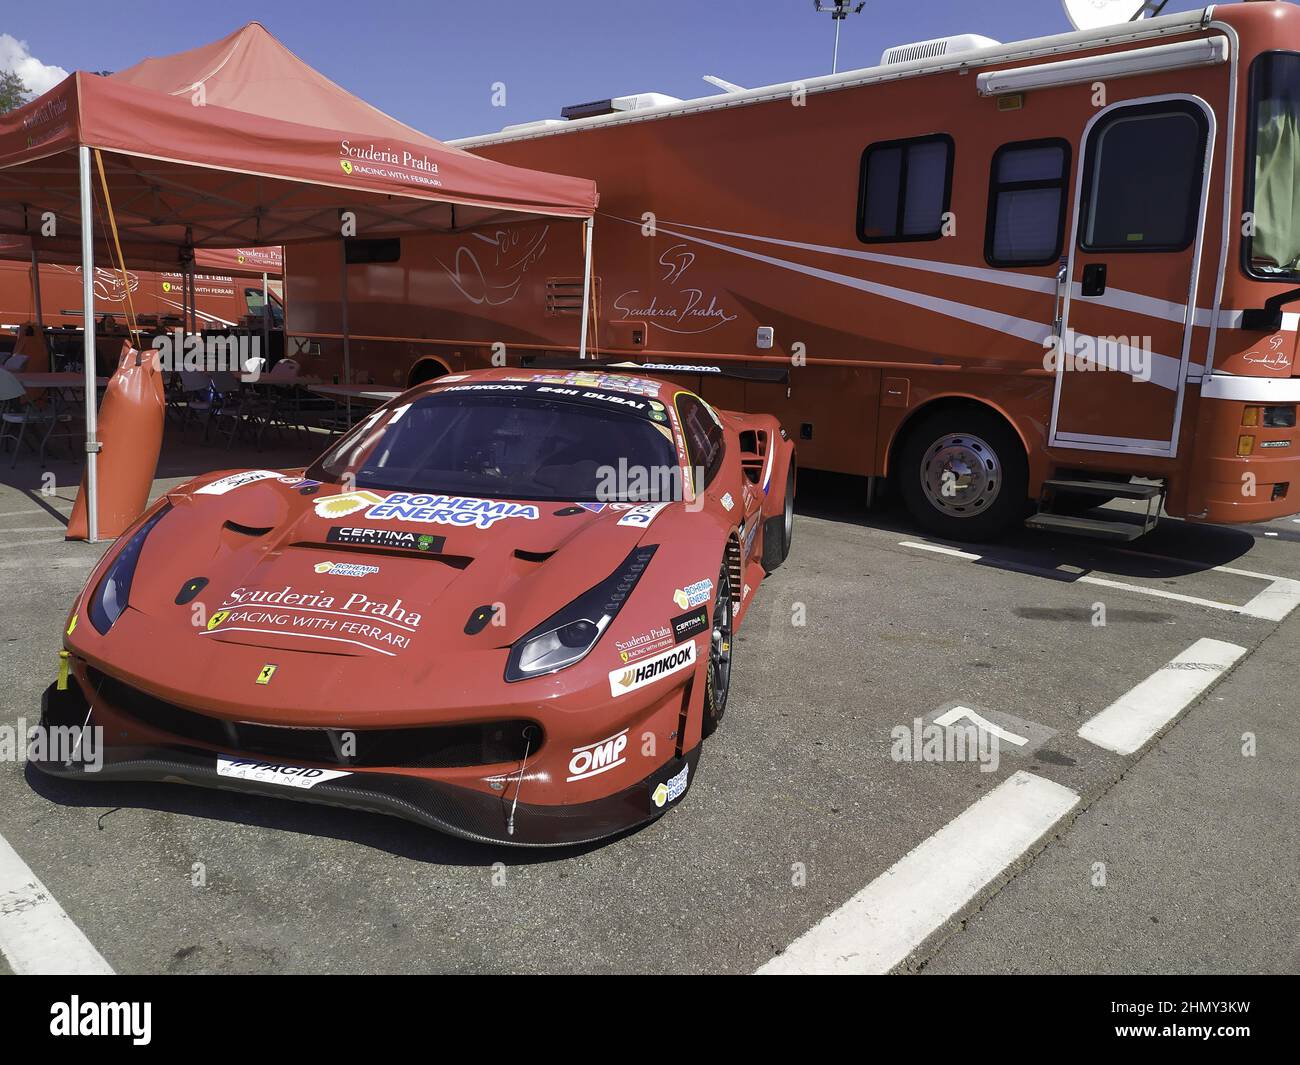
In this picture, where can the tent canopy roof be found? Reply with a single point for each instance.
(207, 160)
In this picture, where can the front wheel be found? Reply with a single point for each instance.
(717, 685)
(964, 475)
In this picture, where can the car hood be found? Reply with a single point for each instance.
(293, 565)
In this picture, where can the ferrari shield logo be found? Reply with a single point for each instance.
(217, 618)
(265, 675)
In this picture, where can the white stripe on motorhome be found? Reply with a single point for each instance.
(1034, 332)
(1008, 324)
(1272, 604)
(1132, 720)
(898, 911)
(1115, 298)
(37, 937)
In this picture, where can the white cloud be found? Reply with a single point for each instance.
(36, 75)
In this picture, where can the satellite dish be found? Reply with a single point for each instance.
(1087, 14)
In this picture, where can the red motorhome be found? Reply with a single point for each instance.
(996, 271)
(223, 297)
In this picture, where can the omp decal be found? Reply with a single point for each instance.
(693, 594)
(599, 757)
(672, 788)
(399, 538)
(642, 515)
(345, 569)
(289, 776)
(222, 485)
(623, 681)
(340, 506)
(686, 626)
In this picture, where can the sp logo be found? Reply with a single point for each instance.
(597, 758)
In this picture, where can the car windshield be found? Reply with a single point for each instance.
(518, 446)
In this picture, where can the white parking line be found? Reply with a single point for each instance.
(1131, 720)
(36, 936)
(1272, 604)
(893, 915)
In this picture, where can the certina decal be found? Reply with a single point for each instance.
(222, 485)
(400, 538)
(687, 625)
(671, 789)
(693, 594)
(345, 569)
(372, 624)
(289, 776)
(642, 515)
(597, 758)
(630, 678)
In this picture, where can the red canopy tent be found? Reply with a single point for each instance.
(240, 144)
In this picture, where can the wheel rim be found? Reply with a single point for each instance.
(961, 475)
(720, 645)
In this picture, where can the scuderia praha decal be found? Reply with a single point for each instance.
(374, 624)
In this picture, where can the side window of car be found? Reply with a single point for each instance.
(703, 436)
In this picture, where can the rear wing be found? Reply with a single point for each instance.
(759, 374)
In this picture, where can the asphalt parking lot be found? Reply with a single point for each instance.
(1161, 839)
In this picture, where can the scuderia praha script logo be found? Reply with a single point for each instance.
(622, 681)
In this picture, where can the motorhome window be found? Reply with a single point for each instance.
(358, 250)
(257, 306)
(1271, 248)
(1026, 223)
(1142, 179)
(904, 189)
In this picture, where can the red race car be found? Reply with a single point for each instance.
(501, 606)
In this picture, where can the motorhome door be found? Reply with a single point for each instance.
(1132, 273)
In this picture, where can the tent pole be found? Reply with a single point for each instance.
(88, 339)
(343, 306)
(36, 293)
(266, 321)
(587, 226)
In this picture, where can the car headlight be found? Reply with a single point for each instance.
(569, 635)
(110, 598)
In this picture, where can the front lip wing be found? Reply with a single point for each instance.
(432, 803)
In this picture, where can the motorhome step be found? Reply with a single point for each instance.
(1094, 528)
(1114, 489)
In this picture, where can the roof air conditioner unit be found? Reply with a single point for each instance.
(940, 46)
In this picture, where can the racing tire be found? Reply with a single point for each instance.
(717, 683)
(964, 475)
(778, 531)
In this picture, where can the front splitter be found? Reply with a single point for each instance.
(434, 804)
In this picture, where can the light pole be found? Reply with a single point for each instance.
(839, 10)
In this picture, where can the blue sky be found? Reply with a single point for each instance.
(432, 64)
